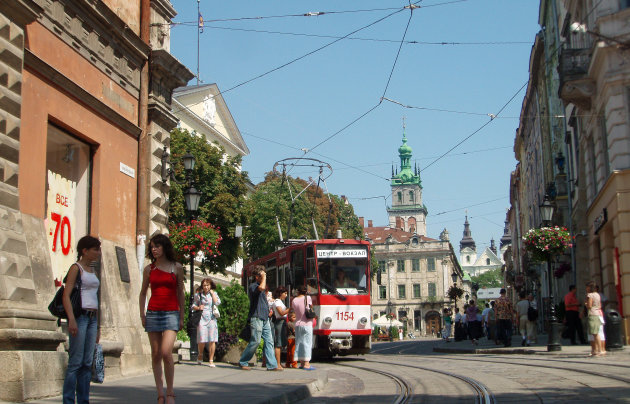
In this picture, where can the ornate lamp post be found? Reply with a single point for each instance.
(192, 198)
(553, 342)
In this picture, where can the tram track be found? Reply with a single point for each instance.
(482, 394)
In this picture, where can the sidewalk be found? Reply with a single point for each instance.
(223, 384)
(540, 348)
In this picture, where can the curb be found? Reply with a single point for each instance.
(515, 351)
(301, 392)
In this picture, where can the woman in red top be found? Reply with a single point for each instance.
(165, 312)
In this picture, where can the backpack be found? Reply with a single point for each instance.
(532, 313)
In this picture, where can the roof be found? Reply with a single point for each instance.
(378, 235)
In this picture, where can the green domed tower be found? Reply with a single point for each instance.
(407, 211)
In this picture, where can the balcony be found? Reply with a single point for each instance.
(575, 85)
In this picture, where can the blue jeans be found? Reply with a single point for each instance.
(81, 354)
(260, 328)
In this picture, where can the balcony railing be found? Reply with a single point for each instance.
(573, 67)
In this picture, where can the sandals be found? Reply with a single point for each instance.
(171, 395)
(161, 398)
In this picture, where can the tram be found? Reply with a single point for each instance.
(336, 273)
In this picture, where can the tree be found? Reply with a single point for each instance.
(223, 187)
(489, 279)
(272, 199)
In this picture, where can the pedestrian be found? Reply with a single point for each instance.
(602, 336)
(532, 332)
(303, 328)
(165, 312)
(280, 312)
(459, 329)
(474, 325)
(594, 307)
(492, 324)
(208, 329)
(504, 313)
(259, 322)
(84, 331)
(448, 320)
(572, 315)
(523, 323)
(291, 362)
(484, 320)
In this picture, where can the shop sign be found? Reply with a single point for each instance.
(60, 223)
(600, 220)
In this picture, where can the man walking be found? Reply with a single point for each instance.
(522, 306)
(572, 313)
(259, 322)
(504, 313)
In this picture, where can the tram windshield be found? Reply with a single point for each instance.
(342, 270)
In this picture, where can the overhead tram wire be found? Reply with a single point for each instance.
(302, 57)
(492, 118)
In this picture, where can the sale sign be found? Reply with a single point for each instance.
(60, 221)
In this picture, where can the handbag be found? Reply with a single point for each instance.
(56, 305)
(532, 313)
(215, 311)
(98, 365)
(308, 311)
(195, 316)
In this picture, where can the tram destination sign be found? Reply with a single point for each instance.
(353, 253)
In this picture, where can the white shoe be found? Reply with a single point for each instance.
(199, 362)
(211, 364)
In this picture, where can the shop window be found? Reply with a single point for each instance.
(68, 180)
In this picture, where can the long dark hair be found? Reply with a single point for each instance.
(279, 291)
(167, 247)
(86, 242)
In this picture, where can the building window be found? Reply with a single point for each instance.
(402, 293)
(432, 289)
(400, 197)
(591, 152)
(400, 266)
(415, 265)
(604, 137)
(431, 264)
(487, 261)
(382, 292)
(468, 259)
(68, 180)
(382, 267)
(411, 196)
(416, 290)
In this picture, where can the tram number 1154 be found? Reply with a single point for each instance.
(345, 315)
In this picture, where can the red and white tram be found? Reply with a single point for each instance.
(337, 275)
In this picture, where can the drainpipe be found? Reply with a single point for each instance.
(144, 142)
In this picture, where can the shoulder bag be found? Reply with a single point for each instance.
(532, 313)
(98, 365)
(308, 310)
(195, 316)
(56, 305)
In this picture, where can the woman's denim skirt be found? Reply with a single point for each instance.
(158, 321)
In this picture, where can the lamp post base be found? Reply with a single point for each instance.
(553, 342)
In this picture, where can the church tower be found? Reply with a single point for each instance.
(407, 211)
(467, 247)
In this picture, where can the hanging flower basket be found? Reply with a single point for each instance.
(455, 292)
(547, 241)
(196, 237)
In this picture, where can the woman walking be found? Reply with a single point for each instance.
(594, 307)
(303, 328)
(84, 330)
(208, 330)
(474, 325)
(165, 312)
(280, 312)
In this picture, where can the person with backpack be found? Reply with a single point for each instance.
(521, 318)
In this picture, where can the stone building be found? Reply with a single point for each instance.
(85, 95)
(471, 263)
(416, 270)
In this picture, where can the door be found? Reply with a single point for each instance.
(433, 325)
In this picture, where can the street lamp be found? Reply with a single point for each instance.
(553, 342)
(454, 277)
(192, 197)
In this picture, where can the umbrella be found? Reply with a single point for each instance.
(383, 321)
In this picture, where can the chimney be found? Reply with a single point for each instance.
(362, 221)
(369, 223)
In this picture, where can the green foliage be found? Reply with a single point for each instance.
(182, 334)
(234, 308)
(272, 198)
(455, 292)
(260, 350)
(223, 189)
(489, 279)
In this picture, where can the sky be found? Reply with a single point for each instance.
(339, 85)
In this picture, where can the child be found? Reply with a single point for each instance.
(291, 362)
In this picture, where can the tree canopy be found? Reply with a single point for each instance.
(272, 199)
(223, 188)
(489, 279)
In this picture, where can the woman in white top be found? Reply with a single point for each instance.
(208, 329)
(280, 312)
(83, 329)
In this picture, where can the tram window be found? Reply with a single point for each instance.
(272, 278)
(343, 276)
(297, 261)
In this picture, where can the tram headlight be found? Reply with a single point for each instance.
(363, 320)
(328, 320)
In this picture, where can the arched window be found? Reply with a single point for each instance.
(487, 261)
(468, 259)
